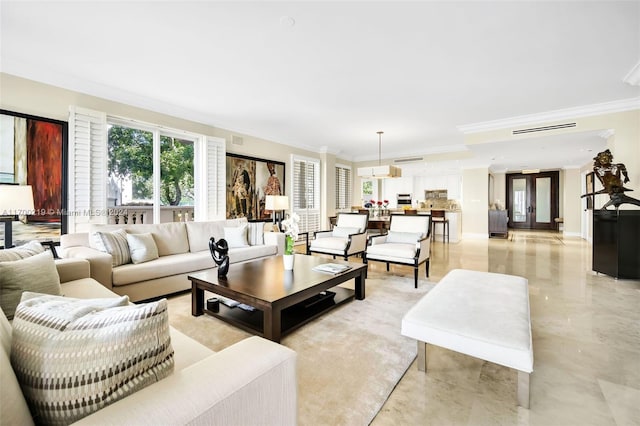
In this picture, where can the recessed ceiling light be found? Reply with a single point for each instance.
(287, 21)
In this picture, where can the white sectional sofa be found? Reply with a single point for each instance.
(183, 249)
(250, 382)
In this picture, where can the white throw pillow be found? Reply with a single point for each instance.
(142, 247)
(35, 273)
(115, 243)
(403, 237)
(236, 236)
(345, 231)
(73, 357)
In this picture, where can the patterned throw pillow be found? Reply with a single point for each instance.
(256, 233)
(34, 273)
(142, 247)
(73, 357)
(115, 243)
(27, 250)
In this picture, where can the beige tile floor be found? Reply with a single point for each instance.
(586, 340)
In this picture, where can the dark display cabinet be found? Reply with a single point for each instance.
(498, 220)
(616, 243)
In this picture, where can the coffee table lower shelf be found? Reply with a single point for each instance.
(292, 317)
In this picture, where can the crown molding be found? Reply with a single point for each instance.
(556, 115)
(633, 77)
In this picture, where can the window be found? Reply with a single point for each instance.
(343, 187)
(125, 171)
(369, 190)
(306, 192)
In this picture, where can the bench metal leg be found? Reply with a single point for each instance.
(523, 389)
(422, 356)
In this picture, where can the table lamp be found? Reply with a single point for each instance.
(14, 200)
(277, 204)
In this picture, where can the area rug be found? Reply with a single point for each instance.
(349, 360)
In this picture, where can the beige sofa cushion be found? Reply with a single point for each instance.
(251, 252)
(170, 238)
(164, 266)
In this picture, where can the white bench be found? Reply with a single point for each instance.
(481, 314)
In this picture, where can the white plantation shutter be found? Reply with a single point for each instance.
(215, 178)
(87, 169)
(343, 186)
(306, 193)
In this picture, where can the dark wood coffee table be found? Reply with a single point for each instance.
(284, 300)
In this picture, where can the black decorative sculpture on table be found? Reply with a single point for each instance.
(219, 252)
(611, 176)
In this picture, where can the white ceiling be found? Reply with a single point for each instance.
(329, 75)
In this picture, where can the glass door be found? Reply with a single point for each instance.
(532, 200)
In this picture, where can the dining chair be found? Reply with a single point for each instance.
(437, 217)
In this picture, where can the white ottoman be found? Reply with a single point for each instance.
(481, 314)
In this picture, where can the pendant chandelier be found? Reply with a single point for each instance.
(379, 171)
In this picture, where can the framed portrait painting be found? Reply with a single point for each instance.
(33, 151)
(249, 180)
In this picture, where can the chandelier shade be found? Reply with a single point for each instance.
(380, 171)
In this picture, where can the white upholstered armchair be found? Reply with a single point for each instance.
(347, 238)
(407, 243)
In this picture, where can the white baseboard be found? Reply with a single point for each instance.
(571, 234)
(473, 236)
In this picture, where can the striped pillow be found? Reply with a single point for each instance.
(256, 233)
(115, 243)
(30, 249)
(73, 357)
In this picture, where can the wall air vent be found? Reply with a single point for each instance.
(544, 129)
(408, 160)
(237, 140)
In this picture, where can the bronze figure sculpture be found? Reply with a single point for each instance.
(611, 177)
(219, 252)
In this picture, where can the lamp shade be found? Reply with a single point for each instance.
(16, 200)
(277, 202)
(379, 172)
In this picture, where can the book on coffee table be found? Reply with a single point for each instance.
(331, 268)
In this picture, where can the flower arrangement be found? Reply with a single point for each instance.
(291, 230)
(379, 204)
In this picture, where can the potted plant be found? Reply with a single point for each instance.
(291, 230)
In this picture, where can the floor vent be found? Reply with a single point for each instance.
(544, 129)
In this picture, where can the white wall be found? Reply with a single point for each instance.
(572, 213)
(475, 207)
(500, 189)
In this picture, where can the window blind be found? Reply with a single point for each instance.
(343, 187)
(87, 169)
(216, 177)
(306, 193)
